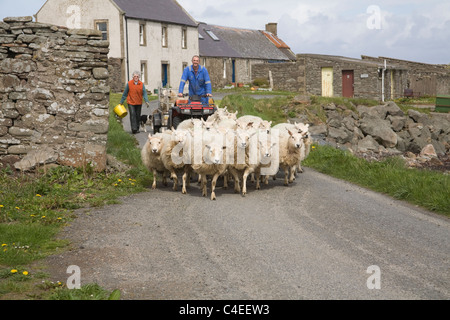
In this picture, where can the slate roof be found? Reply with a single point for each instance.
(238, 43)
(211, 48)
(156, 10)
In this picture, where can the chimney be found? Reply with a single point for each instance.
(272, 27)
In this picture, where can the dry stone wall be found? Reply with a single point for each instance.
(54, 95)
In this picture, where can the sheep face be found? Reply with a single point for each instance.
(213, 154)
(209, 124)
(265, 125)
(243, 138)
(266, 150)
(302, 128)
(155, 145)
(295, 139)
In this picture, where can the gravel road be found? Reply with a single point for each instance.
(315, 239)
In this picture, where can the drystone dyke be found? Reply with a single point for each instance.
(54, 95)
(383, 129)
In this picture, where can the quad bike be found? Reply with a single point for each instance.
(171, 114)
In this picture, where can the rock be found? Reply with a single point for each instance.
(380, 130)
(100, 73)
(318, 130)
(392, 109)
(397, 122)
(428, 151)
(18, 19)
(44, 155)
(341, 135)
(419, 117)
(368, 144)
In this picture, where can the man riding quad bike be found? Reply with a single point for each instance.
(199, 105)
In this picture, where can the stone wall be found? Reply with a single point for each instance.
(54, 95)
(289, 76)
(116, 74)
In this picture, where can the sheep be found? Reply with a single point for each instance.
(241, 166)
(300, 128)
(175, 142)
(188, 124)
(289, 153)
(255, 122)
(213, 164)
(209, 123)
(151, 158)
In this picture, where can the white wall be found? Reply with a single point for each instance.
(80, 14)
(155, 54)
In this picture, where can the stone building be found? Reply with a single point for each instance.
(54, 95)
(230, 54)
(423, 79)
(338, 76)
(156, 37)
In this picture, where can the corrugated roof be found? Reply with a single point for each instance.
(245, 43)
(156, 10)
(275, 40)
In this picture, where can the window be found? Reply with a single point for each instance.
(184, 38)
(142, 36)
(164, 40)
(200, 36)
(102, 25)
(185, 64)
(144, 71)
(212, 35)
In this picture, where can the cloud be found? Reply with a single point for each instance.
(257, 12)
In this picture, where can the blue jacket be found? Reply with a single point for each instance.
(199, 84)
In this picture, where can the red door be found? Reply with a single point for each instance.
(347, 83)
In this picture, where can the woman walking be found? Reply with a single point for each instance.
(134, 93)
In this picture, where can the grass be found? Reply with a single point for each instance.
(425, 188)
(268, 109)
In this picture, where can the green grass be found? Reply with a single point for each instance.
(267, 109)
(425, 188)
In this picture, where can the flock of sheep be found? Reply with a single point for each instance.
(226, 146)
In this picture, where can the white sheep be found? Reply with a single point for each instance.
(213, 164)
(300, 128)
(289, 153)
(151, 158)
(243, 164)
(188, 124)
(175, 153)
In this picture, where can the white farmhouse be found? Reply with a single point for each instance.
(156, 37)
